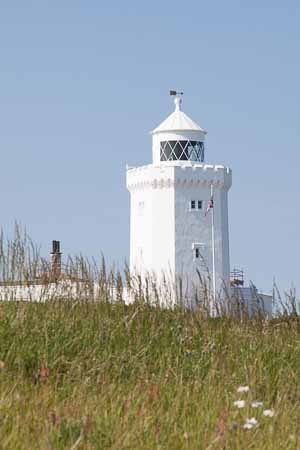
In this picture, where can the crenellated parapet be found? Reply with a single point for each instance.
(173, 175)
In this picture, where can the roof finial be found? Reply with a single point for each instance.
(177, 100)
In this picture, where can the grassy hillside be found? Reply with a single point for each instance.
(100, 376)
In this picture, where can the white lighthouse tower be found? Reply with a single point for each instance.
(179, 209)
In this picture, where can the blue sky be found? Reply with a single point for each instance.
(82, 84)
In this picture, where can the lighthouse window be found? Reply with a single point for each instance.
(197, 253)
(196, 205)
(182, 151)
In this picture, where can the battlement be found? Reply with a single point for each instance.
(175, 174)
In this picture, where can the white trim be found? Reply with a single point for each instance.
(198, 245)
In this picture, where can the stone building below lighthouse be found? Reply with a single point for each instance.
(179, 209)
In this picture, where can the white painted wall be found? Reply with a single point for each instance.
(194, 228)
(152, 228)
(65, 289)
(162, 239)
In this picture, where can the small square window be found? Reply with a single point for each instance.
(196, 205)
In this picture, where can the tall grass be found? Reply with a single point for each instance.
(80, 374)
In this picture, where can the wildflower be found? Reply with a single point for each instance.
(239, 403)
(243, 389)
(250, 423)
(268, 413)
(256, 404)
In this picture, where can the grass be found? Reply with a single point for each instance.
(90, 374)
(108, 376)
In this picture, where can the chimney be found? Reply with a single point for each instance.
(55, 260)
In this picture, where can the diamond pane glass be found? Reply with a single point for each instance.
(182, 151)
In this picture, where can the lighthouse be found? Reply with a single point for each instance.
(179, 210)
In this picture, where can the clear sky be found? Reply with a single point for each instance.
(83, 82)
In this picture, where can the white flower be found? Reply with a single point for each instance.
(256, 404)
(268, 413)
(239, 403)
(243, 389)
(253, 421)
(250, 423)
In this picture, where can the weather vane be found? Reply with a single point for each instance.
(175, 93)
